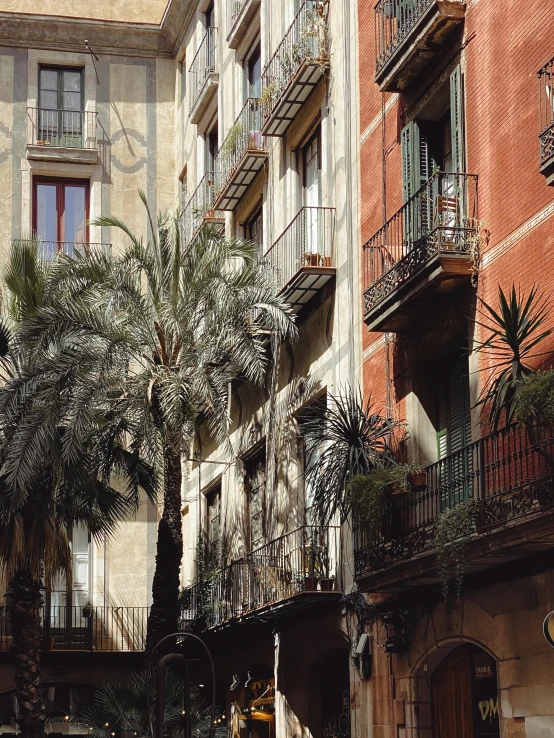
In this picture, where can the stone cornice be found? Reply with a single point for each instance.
(57, 33)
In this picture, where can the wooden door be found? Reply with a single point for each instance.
(452, 694)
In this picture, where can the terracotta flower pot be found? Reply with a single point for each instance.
(327, 585)
(310, 584)
(417, 479)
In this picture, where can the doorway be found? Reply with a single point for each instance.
(464, 695)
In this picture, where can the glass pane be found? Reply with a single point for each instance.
(72, 81)
(47, 217)
(48, 79)
(49, 100)
(72, 101)
(75, 214)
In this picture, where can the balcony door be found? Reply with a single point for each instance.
(60, 215)
(65, 599)
(255, 489)
(61, 103)
(311, 196)
(454, 432)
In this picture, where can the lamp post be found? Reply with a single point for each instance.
(160, 686)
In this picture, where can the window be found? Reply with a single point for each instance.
(64, 595)
(60, 214)
(309, 424)
(435, 140)
(209, 16)
(255, 488)
(311, 196)
(61, 104)
(213, 499)
(255, 73)
(255, 229)
(212, 141)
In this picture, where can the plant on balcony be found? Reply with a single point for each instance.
(370, 493)
(534, 400)
(355, 440)
(158, 333)
(513, 333)
(452, 532)
(232, 142)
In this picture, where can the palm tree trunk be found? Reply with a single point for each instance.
(25, 602)
(164, 613)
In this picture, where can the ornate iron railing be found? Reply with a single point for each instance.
(307, 241)
(305, 560)
(50, 249)
(74, 129)
(505, 473)
(394, 22)
(73, 628)
(546, 111)
(203, 65)
(307, 40)
(199, 208)
(440, 217)
(244, 136)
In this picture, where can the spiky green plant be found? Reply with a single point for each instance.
(513, 333)
(351, 439)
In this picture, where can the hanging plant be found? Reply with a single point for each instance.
(369, 494)
(452, 532)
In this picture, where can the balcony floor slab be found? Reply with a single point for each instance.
(242, 177)
(299, 89)
(306, 283)
(204, 98)
(444, 273)
(241, 22)
(414, 52)
(68, 155)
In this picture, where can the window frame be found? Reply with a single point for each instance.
(59, 69)
(60, 183)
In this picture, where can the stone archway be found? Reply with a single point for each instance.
(457, 693)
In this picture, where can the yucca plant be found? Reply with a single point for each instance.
(343, 440)
(513, 333)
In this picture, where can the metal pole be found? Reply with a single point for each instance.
(188, 721)
(160, 688)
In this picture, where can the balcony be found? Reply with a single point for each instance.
(410, 33)
(71, 628)
(511, 480)
(203, 76)
(200, 210)
(302, 258)
(295, 69)
(546, 111)
(62, 135)
(240, 13)
(429, 246)
(241, 157)
(296, 571)
(48, 250)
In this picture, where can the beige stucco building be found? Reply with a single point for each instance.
(243, 114)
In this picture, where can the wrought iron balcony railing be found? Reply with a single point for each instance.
(307, 242)
(505, 473)
(203, 65)
(295, 68)
(302, 561)
(440, 218)
(241, 156)
(74, 129)
(73, 628)
(395, 22)
(199, 209)
(51, 249)
(546, 112)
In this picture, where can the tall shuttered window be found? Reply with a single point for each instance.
(255, 490)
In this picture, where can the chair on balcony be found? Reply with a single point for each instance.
(445, 219)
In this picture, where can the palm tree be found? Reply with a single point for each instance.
(44, 492)
(162, 332)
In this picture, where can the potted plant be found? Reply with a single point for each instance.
(42, 142)
(311, 259)
(416, 477)
(452, 532)
(86, 610)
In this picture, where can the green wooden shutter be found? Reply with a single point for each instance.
(457, 119)
(409, 137)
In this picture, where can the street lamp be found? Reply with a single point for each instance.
(160, 686)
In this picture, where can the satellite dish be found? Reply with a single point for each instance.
(548, 628)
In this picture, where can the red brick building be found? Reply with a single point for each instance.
(455, 202)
